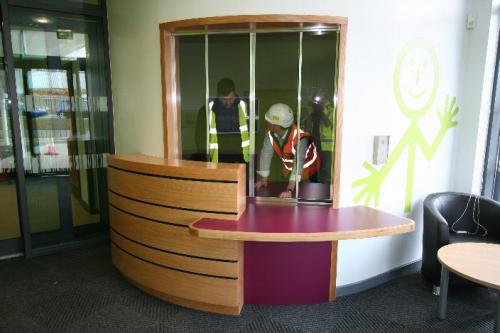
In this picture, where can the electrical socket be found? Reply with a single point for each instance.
(380, 149)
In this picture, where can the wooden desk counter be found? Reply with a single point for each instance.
(291, 251)
(179, 231)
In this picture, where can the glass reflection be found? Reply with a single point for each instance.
(193, 97)
(62, 101)
(276, 90)
(319, 79)
(9, 222)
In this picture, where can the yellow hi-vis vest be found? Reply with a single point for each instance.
(213, 146)
(326, 131)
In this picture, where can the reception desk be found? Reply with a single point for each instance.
(184, 231)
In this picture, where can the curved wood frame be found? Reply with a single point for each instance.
(170, 78)
(274, 20)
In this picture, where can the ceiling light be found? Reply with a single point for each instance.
(42, 19)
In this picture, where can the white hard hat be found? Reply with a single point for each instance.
(280, 114)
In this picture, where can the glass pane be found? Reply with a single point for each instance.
(193, 97)
(218, 133)
(319, 77)
(229, 77)
(276, 81)
(9, 222)
(62, 100)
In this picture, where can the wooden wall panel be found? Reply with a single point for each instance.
(170, 238)
(164, 214)
(201, 196)
(221, 291)
(176, 261)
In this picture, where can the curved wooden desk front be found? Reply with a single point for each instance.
(180, 231)
(152, 201)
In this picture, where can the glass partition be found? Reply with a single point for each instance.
(229, 81)
(276, 81)
(228, 109)
(191, 50)
(318, 91)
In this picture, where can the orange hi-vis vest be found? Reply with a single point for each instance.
(287, 153)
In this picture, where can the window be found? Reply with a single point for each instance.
(220, 78)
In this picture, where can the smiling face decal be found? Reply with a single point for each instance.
(416, 78)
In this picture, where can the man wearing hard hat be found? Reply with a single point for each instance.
(282, 139)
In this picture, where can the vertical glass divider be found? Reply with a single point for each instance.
(299, 107)
(207, 97)
(251, 164)
(16, 131)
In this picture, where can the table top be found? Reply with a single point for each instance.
(477, 262)
(303, 223)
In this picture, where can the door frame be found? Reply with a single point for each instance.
(24, 242)
(491, 188)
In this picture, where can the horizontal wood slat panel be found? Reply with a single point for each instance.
(178, 168)
(188, 286)
(195, 265)
(171, 238)
(168, 215)
(227, 310)
(184, 194)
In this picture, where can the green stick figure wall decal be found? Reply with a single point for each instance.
(415, 84)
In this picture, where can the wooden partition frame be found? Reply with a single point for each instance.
(170, 77)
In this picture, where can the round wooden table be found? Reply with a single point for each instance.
(477, 262)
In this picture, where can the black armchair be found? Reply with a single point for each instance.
(441, 210)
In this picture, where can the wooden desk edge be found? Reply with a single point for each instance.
(158, 166)
(300, 237)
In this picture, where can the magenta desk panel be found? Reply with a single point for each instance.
(287, 273)
(288, 249)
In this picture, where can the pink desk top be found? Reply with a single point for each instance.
(302, 223)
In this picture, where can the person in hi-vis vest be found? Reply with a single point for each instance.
(320, 122)
(282, 138)
(228, 138)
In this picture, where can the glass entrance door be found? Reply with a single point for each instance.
(61, 94)
(10, 233)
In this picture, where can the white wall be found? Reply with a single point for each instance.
(376, 34)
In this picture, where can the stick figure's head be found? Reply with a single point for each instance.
(416, 78)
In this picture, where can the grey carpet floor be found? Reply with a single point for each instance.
(80, 291)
